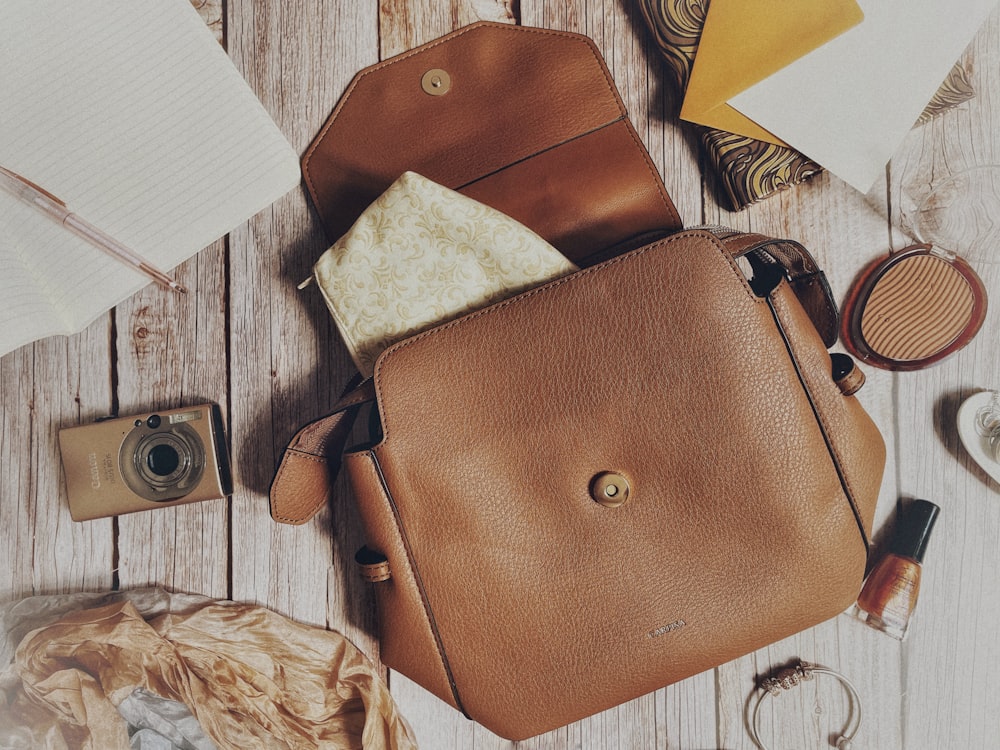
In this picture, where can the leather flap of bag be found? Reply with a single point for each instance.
(471, 104)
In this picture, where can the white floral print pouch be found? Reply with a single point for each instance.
(420, 255)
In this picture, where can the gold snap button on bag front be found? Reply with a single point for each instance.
(609, 489)
(436, 82)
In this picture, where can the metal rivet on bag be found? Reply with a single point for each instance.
(436, 82)
(610, 489)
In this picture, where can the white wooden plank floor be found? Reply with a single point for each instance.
(269, 354)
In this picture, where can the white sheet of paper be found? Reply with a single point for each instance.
(849, 104)
(134, 115)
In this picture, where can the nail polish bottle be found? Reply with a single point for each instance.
(890, 594)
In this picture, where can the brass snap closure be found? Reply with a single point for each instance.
(436, 82)
(610, 489)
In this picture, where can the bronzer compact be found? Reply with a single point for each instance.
(913, 308)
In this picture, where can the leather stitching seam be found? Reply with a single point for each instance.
(296, 453)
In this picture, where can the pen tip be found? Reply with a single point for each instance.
(178, 288)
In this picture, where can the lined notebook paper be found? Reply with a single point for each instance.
(132, 114)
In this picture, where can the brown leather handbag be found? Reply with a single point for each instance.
(609, 483)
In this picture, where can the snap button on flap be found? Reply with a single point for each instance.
(436, 82)
(374, 566)
(846, 374)
(610, 489)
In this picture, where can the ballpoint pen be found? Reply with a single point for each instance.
(59, 212)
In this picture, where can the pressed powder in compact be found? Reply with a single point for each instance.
(913, 309)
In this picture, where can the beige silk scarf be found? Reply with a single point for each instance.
(251, 677)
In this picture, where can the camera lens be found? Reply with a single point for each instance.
(162, 464)
(163, 460)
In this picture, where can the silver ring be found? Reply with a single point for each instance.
(788, 678)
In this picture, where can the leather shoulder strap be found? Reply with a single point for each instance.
(311, 461)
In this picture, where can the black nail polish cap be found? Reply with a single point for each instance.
(913, 529)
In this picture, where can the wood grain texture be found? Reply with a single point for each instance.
(59, 382)
(269, 354)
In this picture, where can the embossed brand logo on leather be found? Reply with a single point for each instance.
(664, 629)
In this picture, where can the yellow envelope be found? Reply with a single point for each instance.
(745, 41)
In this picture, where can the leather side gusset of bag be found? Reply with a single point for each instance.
(745, 477)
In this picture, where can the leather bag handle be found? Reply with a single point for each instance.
(311, 461)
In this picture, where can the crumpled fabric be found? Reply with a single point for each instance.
(250, 677)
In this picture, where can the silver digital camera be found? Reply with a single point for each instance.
(127, 464)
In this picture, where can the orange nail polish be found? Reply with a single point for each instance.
(890, 594)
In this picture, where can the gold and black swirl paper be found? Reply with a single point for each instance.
(676, 27)
(750, 170)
